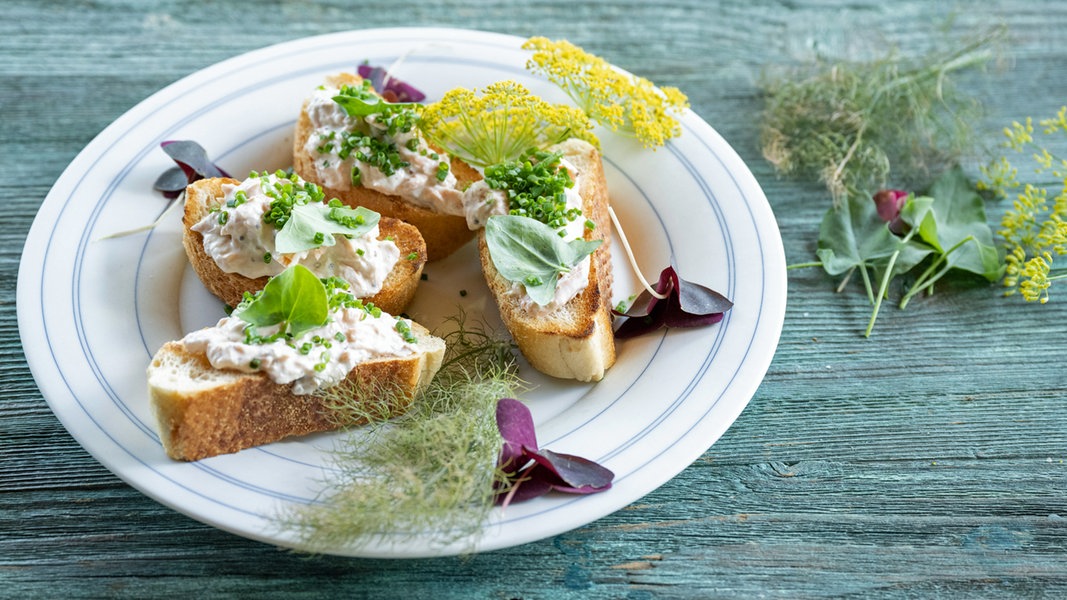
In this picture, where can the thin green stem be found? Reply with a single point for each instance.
(884, 285)
(804, 265)
(881, 292)
(928, 278)
(867, 284)
(925, 286)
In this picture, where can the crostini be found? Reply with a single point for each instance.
(261, 374)
(568, 336)
(237, 235)
(369, 153)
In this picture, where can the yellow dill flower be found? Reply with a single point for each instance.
(999, 177)
(1034, 230)
(1043, 160)
(1019, 134)
(1035, 283)
(624, 103)
(1059, 123)
(500, 123)
(1021, 224)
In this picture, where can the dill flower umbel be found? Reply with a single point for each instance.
(624, 103)
(1034, 229)
(500, 124)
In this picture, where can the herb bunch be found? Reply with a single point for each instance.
(857, 127)
(849, 124)
(431, 471)
(1034, 229)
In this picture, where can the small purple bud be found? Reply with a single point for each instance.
(888, 203)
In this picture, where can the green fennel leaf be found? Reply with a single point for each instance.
(295, 299)
(529, 252)
(309, 220)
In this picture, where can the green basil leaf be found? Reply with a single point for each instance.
(527, 251)
(295, 298)
(308, 220)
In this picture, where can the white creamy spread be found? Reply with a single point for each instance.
(481, 202)
(240, 244)
(365, 337)
(417, 182)
(571, 283)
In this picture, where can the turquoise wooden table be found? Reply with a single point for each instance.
(926, 461)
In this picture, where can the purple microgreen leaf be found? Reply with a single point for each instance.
(516, 426)
(576, 475)
(531, 472)
(193, 165)
(695, 299)
(390, 88)
(687, 304)
(171, 182)
(192, 158)
(645, 302)
(640, 325)
(525, 486)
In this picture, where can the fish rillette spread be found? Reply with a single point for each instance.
(241, 236)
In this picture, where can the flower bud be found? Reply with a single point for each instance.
(888, 203)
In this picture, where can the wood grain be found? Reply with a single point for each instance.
(927, 461)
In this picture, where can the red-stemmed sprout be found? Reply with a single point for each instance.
(533, 472)
(680, 303)
(674, 302)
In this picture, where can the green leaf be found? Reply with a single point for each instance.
(308, 220)
(358, 107)
(295, 299)
(954, 224)
(526, 251)
(852, 235)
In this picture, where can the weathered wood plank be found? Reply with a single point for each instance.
(924, 462)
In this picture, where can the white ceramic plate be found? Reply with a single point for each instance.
(92, 311)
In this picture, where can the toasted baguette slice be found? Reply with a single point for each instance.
(444, 233)
(202, 411)
(393, 298)
(576, 340)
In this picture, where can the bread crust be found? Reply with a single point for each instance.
(443, 233)
(202, 411)
(575, 341)
(397, 289)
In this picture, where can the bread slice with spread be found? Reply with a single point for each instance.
(233, 248)
(380, 161)
(571, 336)
(247, 382)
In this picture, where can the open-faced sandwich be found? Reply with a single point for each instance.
(370, 153)
(263, 373)
(238, 234)
(548, 264)
(545, 254)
